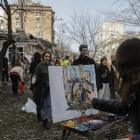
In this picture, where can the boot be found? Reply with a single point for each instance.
(39, 118)
(45, 124)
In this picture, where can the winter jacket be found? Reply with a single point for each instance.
(102, 70)
(88, 61)
(112, 73)
(117, 107)
(33, 66)
(5, 63)
(25, 63)
(18, 70)
(66, 63)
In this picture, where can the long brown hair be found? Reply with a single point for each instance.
(128, 66)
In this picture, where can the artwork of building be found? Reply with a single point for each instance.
(68, 96)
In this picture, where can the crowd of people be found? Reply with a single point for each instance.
(121, 77)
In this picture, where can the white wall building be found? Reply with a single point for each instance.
(109, 31)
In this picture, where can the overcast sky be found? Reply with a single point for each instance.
(63, 8)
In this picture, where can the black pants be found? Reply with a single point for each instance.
(15, 78)
(112, 90)
(5, 73)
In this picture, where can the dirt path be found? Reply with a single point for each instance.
(18, 125)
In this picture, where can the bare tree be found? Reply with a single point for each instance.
(63, 44)
(25, 7)
(84, 28)
(129, 14)
(5, 6)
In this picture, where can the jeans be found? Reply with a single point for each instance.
(26, 73)
(113, 95)
(47, 104)
(5, 73)
(15, 78)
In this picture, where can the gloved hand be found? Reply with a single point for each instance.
(32, 87)
(23, 83)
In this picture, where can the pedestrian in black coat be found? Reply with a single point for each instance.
(37, 60)
(104, 74)
(128, 67)
(5, 70)
(84, 60)
(112, 77)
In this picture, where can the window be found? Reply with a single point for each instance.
(38, 35)
(10, 52)
(37, 24)
(38, 14)
(17, 13)
(17, 23)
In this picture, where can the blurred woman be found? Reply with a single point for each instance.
(128, 66)
(16, 75)
(42, 91)
(34, 63)
(104, 74)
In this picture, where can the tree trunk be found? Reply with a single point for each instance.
(1, 67)
(6, 44)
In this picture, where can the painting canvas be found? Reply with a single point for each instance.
(67, 88)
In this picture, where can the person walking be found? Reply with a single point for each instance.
(58, 63)
(128, 67)
(74, 58)
(5, 70)
(16, 75)
(84, 60)
(104, 73)
(58, 58)
(26, 63)
(42, 91)
(112, 77)
(66, 62)
(34, 63)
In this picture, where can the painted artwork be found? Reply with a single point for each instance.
(67, 88)
(76, 80)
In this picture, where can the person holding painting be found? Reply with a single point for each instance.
(84, 60)
(128, 65)
(42, 90)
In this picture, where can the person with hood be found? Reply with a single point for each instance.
(128, 66)
(34, 63)
(104, 74)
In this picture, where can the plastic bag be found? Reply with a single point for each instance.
(30, 107)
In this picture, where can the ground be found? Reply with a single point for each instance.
(18, 125)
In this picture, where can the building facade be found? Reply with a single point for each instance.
(36, 19)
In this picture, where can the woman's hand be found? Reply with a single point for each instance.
(90, 94)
